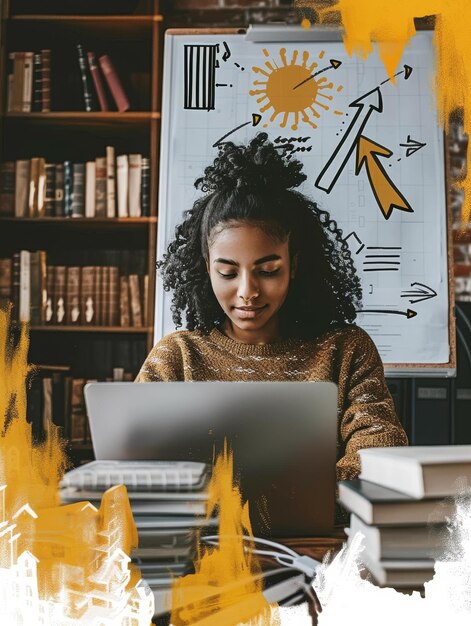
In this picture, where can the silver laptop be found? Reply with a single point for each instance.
(283, 436)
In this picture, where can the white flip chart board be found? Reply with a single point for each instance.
(372, 149)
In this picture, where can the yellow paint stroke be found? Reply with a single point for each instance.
(79, 553)
(391, 25)
(225, 588)
(276, 90)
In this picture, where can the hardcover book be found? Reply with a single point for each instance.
(97, 81)
(90, 186)
(135, 169)
(59, 304)
(110, 182)
(22, 177)
(86, 82)
(73, 296)
(418, 471)
(78, 190)
(59, 203)
(100, 187)
(145, 187)
(114, 83)
(7, 188)
(46, 80)
(122, 171)
(50, 192)
(87, 297)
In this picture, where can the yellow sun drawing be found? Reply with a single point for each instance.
(291, 88)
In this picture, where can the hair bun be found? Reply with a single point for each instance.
(258, 164)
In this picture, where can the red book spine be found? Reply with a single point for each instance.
(99, 88)
(116, 88)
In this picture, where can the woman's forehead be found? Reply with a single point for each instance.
(243, 239)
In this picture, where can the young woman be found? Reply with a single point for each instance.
(269, 291)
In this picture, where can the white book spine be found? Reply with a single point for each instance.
(90, 189)
(135, 167)
(27, 82)
(122, 169)
(25, 289)
(110, 182)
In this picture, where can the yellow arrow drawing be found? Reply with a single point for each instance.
(386, 193)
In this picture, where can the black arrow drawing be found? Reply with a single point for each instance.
(366, 104)
(412, 146)
(407, 71)
(409, 313)
(333, 64)
(254, 121)
(423, 292)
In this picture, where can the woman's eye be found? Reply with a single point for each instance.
(272, 273)
(227, 275)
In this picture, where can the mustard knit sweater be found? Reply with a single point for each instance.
(347, 356)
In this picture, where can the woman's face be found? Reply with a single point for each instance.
(250, 273)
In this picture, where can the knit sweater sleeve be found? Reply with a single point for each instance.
(164, 362)
(368, 418)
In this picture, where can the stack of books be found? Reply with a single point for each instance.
(400, 504)
(168, 502)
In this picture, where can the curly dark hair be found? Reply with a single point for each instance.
(253, 184)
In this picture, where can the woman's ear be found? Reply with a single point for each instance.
(294, 266)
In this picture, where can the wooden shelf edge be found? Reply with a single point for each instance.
(42, 17)
(129, 116)
(81, 220)
(92, 329)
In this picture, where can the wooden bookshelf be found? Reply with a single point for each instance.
(130, 32)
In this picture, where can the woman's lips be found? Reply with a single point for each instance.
(247, 313)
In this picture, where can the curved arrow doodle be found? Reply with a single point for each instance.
(254, 121)
(333, 64)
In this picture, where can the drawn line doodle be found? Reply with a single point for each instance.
(227, 55)
(291, 145)
(361, 245)
(200, 65)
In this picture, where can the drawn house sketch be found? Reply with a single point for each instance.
(94, 592)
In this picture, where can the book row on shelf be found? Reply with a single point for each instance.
(29, 82)
(56, 396)
(72, 295)
(109, 186)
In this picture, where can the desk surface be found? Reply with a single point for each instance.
(317, 547)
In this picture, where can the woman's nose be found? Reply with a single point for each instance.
(248, 289)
